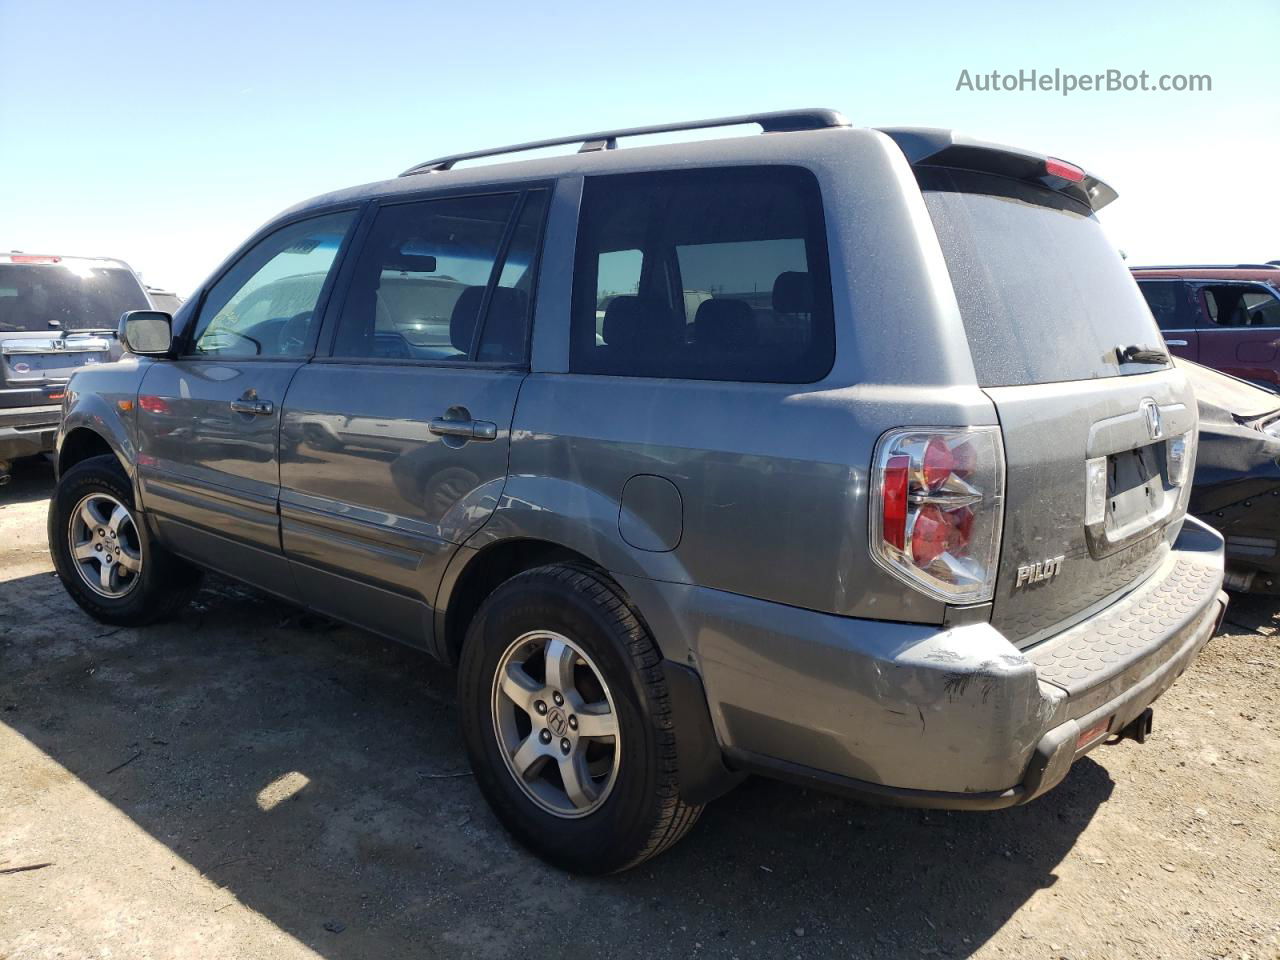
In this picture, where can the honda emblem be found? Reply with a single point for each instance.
(1152, 413)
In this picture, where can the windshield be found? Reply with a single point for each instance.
(1044, 295)
(42, 297)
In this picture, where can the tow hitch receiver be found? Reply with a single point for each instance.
(1139, 728)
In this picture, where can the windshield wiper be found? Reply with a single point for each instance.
(1137, 354)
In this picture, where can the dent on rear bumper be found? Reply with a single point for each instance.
(915, 713)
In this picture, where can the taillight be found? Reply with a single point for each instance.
(894, 496)
(1182, 450)
(153, 404)
(937, 500)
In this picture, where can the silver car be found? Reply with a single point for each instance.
(846, 456)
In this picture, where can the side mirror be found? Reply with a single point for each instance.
(148, 333)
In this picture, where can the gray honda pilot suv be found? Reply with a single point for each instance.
(846, 456)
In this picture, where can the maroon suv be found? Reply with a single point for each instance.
(1227, 318)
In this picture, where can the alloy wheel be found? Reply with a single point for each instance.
(556, 725)
(105, 546)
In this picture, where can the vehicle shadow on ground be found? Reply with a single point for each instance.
(185, 727)
(1253, 613)
(31, 480)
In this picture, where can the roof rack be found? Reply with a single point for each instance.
(780, 121)
(1275, 265)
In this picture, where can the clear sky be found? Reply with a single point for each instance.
(164, 133)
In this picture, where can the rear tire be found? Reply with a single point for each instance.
(590, 801)
(92, 513)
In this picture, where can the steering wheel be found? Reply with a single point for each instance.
(214, 347)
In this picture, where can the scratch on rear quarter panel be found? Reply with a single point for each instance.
(955, 685)
(944, 656)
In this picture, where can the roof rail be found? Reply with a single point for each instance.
(1275, 265)
(780, 121)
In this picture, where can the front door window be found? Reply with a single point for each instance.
(265, 305)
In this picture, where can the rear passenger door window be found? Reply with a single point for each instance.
(448, 280)
(1261, 307)
(1241, 305)
(716, 274)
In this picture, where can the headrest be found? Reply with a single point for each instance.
(793, 292)
(640, 323)
(293, 333)
(503, 328)
(725, 322)
(462, 322)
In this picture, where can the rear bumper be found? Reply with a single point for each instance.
(26, 431)
(956, 718)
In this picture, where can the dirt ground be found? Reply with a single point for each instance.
(249, 781)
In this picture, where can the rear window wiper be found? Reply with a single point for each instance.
(1137, 354)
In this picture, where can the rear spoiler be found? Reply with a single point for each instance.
(934, 147)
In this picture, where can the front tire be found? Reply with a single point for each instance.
(568, 722)
(103, 554)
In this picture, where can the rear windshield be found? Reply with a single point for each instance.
(1044, 295)
(59, 297)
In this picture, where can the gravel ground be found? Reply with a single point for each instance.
(249, 781)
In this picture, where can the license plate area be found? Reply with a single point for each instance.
(1135, 486)
(49, 366)
(1139, 498)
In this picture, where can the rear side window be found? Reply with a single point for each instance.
(1044, 295)
(429, 271)
(703, 275)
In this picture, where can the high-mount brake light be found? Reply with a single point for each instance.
(937, 502)
(33, 258)
(1060, 168)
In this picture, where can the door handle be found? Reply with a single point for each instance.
(468, 429)
(1175, 343)
(257, 408)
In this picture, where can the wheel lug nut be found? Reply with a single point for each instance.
(545, 736)
(564, 746)
(558, 698)
(541, 707)
(573, 722)
(98, 547)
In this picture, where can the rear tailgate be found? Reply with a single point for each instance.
(1055, 569)
(1066, 348)
(34, 366)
